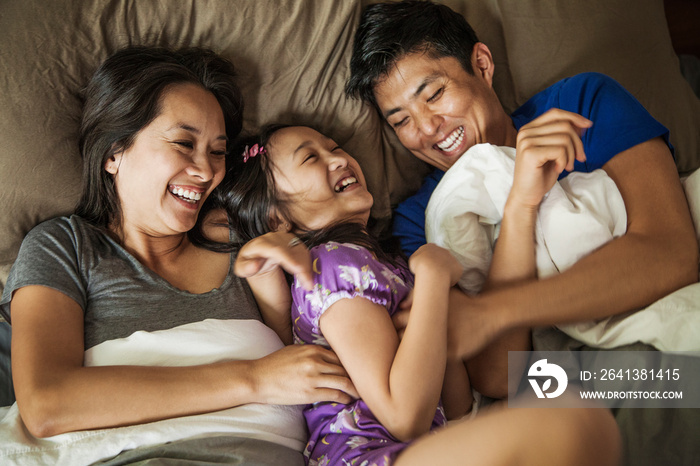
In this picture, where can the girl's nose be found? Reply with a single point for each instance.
(337, 160)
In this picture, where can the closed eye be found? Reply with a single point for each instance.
(219, 153)
(186, 144)
(436, 96)
(308, 157)
(398, 124)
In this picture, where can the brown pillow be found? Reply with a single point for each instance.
(548, 40)
(292, 58)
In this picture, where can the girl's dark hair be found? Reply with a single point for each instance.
(125, 95)
(249, 196)
(390, 30)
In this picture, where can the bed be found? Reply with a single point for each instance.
(292, 58)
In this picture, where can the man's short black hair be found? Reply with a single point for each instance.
(388, 31)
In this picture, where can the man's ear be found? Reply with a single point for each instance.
(113, 162)
(482, 62)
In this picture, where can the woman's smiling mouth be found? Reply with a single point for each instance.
(184, 194)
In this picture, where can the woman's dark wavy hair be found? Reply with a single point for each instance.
(388, 31)
(249, 196)
(125, 95)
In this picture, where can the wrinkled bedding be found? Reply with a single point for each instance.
(579, 214)
(197, 343)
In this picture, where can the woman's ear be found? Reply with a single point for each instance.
(113, 162)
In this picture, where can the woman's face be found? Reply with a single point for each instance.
(320, 181)
(173, 165)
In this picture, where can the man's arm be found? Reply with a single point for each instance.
(657, 255)
(545, 147)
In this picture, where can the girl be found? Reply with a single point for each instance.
(295, 179)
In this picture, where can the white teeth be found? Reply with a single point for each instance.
(452, 141)
(346, 182)
(186, 194)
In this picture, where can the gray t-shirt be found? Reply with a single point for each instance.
(118, 294)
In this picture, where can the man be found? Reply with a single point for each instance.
(422, 66)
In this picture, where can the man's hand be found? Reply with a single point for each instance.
(545, 147)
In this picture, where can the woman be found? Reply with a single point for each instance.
(154, 137)
(294, 178)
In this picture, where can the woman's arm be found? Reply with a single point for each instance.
(56, 393)
(274, 299)
(400, 382)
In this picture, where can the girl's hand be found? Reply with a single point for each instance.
(545, 147)
(302, 374)
(436, 260)
(272, 250)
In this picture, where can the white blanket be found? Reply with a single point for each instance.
(581, 213)
(198, 343)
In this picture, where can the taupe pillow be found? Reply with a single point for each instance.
(292, 58)
(548, 40)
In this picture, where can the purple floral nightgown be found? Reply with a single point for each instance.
(347, 434)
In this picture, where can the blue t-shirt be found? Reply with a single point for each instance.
(619, 122)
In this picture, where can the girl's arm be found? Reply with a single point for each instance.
(400, 382)
(457, 398)
(261, 261)
(57, 394)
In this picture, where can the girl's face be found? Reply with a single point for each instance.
(173, 165)
(321, 183)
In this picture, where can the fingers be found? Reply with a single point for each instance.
(306, 374)
(557, 128)
(400, 320)
(407, 301)
(272, 250)
(335, 388)
(546, 147)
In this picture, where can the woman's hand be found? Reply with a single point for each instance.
(545, 147)
(276, 249)
(302, 374)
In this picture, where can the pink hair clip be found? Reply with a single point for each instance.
(251, 152)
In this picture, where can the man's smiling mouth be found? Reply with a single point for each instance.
(453, 141)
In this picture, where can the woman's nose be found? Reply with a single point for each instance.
(201, 166)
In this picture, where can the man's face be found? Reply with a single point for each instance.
(438, 110)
